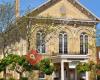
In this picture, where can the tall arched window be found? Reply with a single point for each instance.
(40, 41)
(83, 43)
(63, 43)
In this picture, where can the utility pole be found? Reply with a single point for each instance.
(17, 6)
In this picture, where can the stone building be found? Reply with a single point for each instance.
(72, 42)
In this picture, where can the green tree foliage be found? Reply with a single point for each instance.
(83, 67)
(20, 65)
(7, 60)
(16, 62)
(46, 66)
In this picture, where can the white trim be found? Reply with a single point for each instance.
(62, 70)
(69, 61)
(87, 75)
(84, 61)
(74, 56)
(42, 78)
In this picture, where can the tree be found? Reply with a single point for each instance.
(20, 64)
(7, 14)
(84, 67)
(17, 63)
(7, 17)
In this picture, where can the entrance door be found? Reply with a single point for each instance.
(65, 75)
(72, 74)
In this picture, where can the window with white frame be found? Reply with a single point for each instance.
(63, 43)
(40, 41)
(83, 43)
(42, 76)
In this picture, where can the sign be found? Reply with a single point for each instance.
(33, 57)
(72, 64)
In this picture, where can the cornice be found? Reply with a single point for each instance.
(62, 21)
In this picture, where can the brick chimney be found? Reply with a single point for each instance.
(17, 11)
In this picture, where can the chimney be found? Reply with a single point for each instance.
(17, 11)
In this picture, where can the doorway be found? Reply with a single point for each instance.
(65, 75)
(72, 74)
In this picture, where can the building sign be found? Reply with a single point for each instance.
(72, 64)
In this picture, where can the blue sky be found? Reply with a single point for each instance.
(92, 5)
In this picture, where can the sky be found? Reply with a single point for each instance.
(92, 5)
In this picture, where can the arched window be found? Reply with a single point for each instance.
(63, 43)
(40, 41)
(83, 43)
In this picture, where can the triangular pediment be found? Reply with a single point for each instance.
(63, 9)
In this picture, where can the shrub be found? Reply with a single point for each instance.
(2, 79)
(83, 67)
(46, 66)
(11, 78)
(24, 78)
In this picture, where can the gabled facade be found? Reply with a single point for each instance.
(72, 42)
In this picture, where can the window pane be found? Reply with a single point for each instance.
(83, 43)
(60, 43)
(43, 48)
(43, 42)
(86, 44)
(40, 42)
(65, 44)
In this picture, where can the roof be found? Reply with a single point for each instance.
(76, 3)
